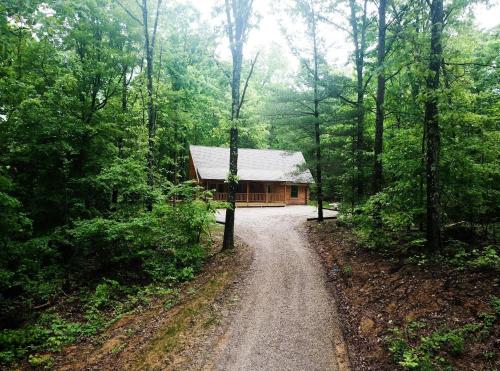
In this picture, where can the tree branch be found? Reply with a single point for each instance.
(155, 27)
(471, 64)
(346, 100)
(129, 13)
(246, 83)
(329, 21)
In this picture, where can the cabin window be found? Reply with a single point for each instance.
(269, 189)
(211, 186)
(294, 191)
(220, 187)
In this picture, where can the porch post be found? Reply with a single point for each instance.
(248, 190)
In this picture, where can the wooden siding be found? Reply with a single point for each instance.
(192, 170)
(301, 198)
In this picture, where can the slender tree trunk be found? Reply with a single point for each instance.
(124, 99)
(421, 183)
(359, 38)
(379, 117)
(319, 181)
(124, 90)
(19, 68)
(360, 140)
(228, 242)
(432, 130)
(238, 13)
(151, 114)
(149, 51)
(233, 151)
(317, 132)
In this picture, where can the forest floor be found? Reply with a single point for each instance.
(411, 312)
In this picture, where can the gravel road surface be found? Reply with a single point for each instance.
(287, 319)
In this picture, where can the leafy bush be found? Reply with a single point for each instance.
(162, 245)
(487, 258)
(103, 293)
(50, 333)
(13, 223)
(380, 226)
(29, 276)
(429, 352)
(41, 360)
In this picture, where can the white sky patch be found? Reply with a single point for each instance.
(337, 45)
(46, 10)
(487, 16)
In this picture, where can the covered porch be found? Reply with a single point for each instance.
(251, 193)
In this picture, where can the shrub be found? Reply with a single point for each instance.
(429, 352)
(162, 245)
(50, 333)
(379, 226)
(487, 258)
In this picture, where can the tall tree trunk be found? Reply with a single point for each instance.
(359, 38)
(20, 38)
(432, 130)
(124, 99)
(238, 13)
(228, 242)
(421, 181)
(149, 52)
(379, 117)
(317, 132)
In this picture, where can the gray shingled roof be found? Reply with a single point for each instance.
(212, 163)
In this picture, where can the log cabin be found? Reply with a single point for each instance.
(267, 177)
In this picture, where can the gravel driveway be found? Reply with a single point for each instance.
(287, 319)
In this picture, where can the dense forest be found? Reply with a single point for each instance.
(100, 100)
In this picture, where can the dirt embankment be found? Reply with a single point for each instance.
(375, 296)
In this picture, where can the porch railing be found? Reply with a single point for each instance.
(252, 197)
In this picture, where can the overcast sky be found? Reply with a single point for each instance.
(338, 47)
(269, 33)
